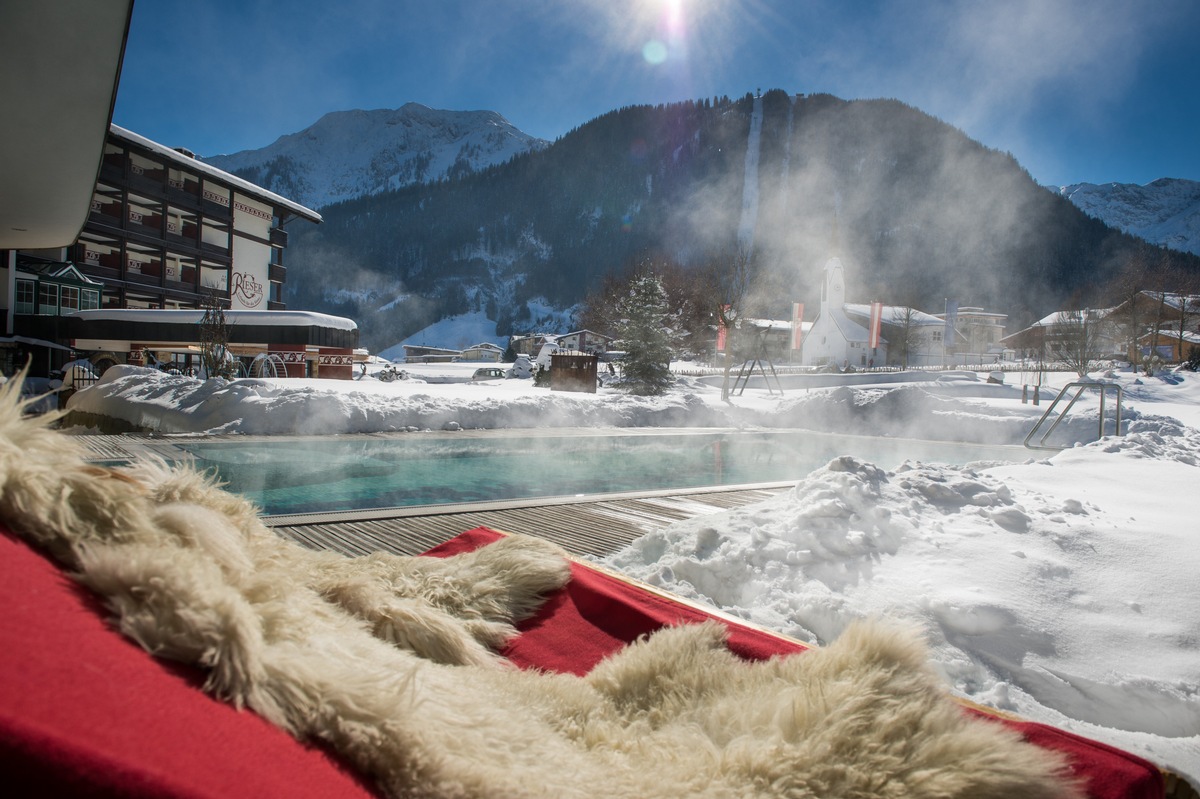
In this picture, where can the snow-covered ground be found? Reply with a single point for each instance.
(1065, 588)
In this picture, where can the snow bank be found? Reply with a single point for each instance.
(1062, 589)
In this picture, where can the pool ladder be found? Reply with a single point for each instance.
(1079, 388)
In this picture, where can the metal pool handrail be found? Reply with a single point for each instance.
(1079, 389)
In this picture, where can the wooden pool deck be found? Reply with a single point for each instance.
(592, 525)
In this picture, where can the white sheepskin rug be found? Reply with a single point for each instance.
(392, 660)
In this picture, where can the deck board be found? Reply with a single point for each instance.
(594, 527)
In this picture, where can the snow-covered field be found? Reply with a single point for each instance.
(1065, 588)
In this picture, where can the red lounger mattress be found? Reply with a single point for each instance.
(86, 712)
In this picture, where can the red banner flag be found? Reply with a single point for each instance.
(876, 323)
(797, 324)
(721, 332)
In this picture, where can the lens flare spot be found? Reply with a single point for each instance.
(627, 223)
(638, 149)
(654, 51)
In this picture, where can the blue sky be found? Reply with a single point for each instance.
(1078, 90)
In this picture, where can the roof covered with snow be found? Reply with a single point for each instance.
(195, 315)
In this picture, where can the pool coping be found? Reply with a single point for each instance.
(447, 509)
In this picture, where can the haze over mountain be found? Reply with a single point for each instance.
(347, 154)
(918, 212)
(1165, 211)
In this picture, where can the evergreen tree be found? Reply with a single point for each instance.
(645, 332)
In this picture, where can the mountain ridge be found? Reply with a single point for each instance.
(919, 212)
(354, 153)
(1165, 211)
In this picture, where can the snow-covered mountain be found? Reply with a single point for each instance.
(348, 154)
(1166, 211)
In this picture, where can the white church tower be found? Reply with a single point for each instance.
(834, 338)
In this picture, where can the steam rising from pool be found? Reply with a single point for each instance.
(292, 475)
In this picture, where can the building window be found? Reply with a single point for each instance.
(144, 261)
(70, 299)
(135, 300)
(181, 269)
(48, 298)
(100, 251)
(276, 292)
(142, 167)
(215, 233)
(214, 276)
(180, 180)
(26, 292)
(89, 300)
(106, 201)
(183, 224)
(114, 156)
(146, 212)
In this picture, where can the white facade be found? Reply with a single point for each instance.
(834, 337)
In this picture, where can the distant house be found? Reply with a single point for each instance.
(1137, 319)
(772, 338)
(586, 341)
(530, 344)
(482, 353)
(1047, 337)
(419, 353)
(977, 336)
(1172, 345)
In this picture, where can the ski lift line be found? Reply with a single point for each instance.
(1079, 388)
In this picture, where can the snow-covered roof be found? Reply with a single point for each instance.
(1175, 301)
(770, 324)
(1067, 317)
(894, 314)
(194, 316)
(195, 164)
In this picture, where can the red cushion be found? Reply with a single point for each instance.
(596, 614)
(86, 712)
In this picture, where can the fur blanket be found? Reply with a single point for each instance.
(391, 660)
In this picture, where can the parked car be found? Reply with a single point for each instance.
(488, 373)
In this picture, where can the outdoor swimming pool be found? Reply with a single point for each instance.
(311, 475)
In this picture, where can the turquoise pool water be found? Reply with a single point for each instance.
(312, 475)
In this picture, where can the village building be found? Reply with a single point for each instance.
(586, 341)
(977, 336)
(1149, 321)
(1054, 334)
(530, 344)
(840, 336)
(163, 232)
(423, 353)
(485, 352)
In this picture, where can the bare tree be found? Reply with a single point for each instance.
(726, 284)
(214, 337)
(1127, 291)
(1077, 339)
(1189, 309)
(909, 335)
